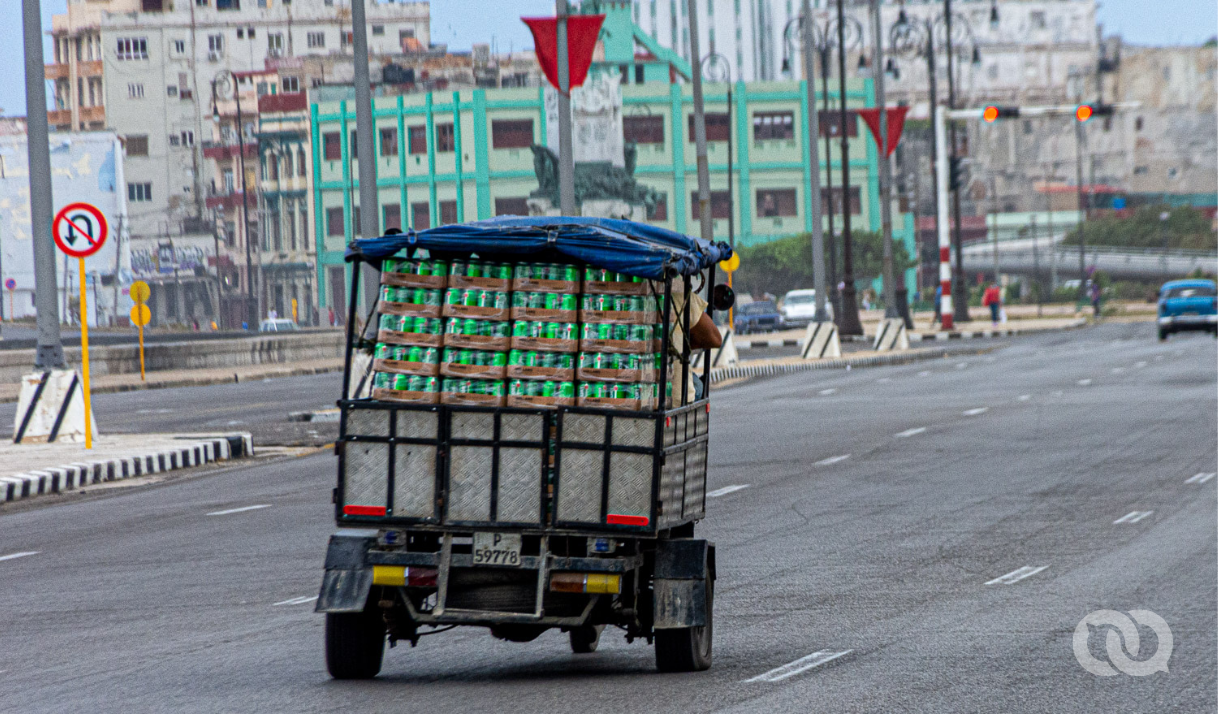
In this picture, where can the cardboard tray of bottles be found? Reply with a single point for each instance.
(396, 395)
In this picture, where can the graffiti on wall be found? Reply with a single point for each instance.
(166, 258)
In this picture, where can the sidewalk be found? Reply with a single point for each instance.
(194, 377)
(923, 330)
(28, 470)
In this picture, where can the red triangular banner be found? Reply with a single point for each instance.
(582, 31)
(896, 124)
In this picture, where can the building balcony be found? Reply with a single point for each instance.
(60, 117)
(93, 114)
(88, 69)
(56, 71)
(212, 150)
(232, 201)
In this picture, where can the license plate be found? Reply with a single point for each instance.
(497, 549)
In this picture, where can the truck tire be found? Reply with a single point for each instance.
(688, 649)
(1163, 335)
(355, 644)
(585, 639)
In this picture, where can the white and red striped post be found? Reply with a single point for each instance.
(942, 221)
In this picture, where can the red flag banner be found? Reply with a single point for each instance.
(582, 31)
(896, 124)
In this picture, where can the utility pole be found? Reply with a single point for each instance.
(1036, 282)
(890, 302)
(705, 219)
(825, 53)
(958, 284)
(566, 159)
(848, 322)
(818, 236)
(251, 299)
(369, 223)
(49, 354)
(1082, 211)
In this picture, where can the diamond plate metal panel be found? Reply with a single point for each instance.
(473, 425)
(366, 481)
(520, 485)
(584, 428)
(630, 484)
(634, 432)
(695, 481)
(521, 427)
(414, 487)
(672, 491)
(579, 485)
(368, 422)
(469, 483)
(418, 425)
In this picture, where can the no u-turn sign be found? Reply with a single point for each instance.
(79, 229)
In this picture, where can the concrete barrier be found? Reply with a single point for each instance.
(891, 335)
(821, 341)
(187, 354)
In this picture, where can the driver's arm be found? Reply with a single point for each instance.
(704, 334)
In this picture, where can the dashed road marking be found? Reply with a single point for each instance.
(14, 556)
(975, 412)
(832, 460)
(1015, 576)
(803, 664)
(1058, 392)
(961, 365)
(1140, 364)
(827, 392)
(911, 432)
(883, 380)
(1199, 478)
(1084, 382)
(239, 510)
(726, 490)
(1132, 517)
(924, 373)
(1024, 397)
(296, 600)
(1118, 370)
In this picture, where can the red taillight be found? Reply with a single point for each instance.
(363, 510)
(618, 519)
(420, 577)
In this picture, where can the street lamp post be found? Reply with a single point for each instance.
(716, 69)
(848, 323)
(223, 78)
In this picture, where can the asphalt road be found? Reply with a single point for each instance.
(955, 473)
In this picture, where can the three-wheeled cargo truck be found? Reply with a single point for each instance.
(565, 501)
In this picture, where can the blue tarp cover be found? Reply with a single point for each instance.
(622, 246)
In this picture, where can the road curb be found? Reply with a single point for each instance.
(917, 336)
(765, 370)
(194, 451)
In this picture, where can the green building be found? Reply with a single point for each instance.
(456, 156)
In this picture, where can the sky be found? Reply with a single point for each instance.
(461, 23)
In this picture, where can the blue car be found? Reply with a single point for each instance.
(759, 316)
(1188, 305)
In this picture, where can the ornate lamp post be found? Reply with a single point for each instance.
(219, 88)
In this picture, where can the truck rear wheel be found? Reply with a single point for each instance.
(585, 639)
(688, 649)
(355, 644)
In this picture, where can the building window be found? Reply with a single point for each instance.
(391, 213)
(240, 33)
(171, 91)
(417, 138)
(300, 162)
(173, 140)
(856, 204)
(132, 48)
(228, 4)
(448, 212)
(445, 139)
(773, 203)
(304, 226)
(287, 164)
(334, 221)
(270, 168)
(831, 124)
(290, 85)
(389, 141)
(187, 137)
(660, 212)
(378, 30)
(316, 40)
(228, 181)
(773, 125)
(512, 133)
(643, 129)
(511, 206)
(135, 90)
(289, 218)
(420, 216)
(139, 192)
(1037, 18)
(717, 127)
(1137, 124)
(137, 146)
(353, 146)
(179, 47)
(215, 44)
(274, 44)
(721, 205)
(332, 148)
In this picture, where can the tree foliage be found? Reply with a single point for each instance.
(786, 264)
(1186, 228)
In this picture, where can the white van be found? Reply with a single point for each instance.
(799, 308)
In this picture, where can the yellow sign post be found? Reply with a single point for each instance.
(294, 310)
(84, 354)
(140, 314)
(729, 266)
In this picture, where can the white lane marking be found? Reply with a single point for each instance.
(975, 412)
(726, 490)
(1158, 358)
(1058, 392)
(1140, 364)
(961, 365)
(1200, 478)
(1132, 517)
(803, 664)
(827, 392)
(1118, 370)
(1024, 397)
(832, 460)
(911, 432)
(296, 600)
(924, 373)
(883, 380)
(1084, 382)
(14, 556)
(239, 510)
(1015, 576)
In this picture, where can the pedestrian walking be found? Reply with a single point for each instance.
(992, 298)
(938, 318)
(1095, 297)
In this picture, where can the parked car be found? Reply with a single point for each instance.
(1188, 305)
(758, 316)
(278, 324)
(799, 308)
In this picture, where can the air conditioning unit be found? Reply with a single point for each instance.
(214, 55)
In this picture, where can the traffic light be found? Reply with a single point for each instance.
(992, 113)
(1086, 111)
(955, 173)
